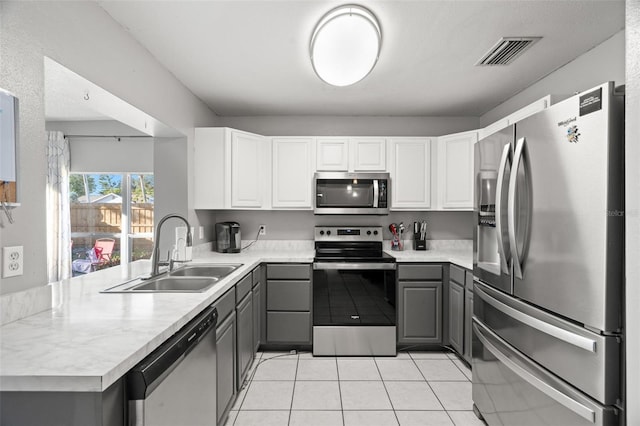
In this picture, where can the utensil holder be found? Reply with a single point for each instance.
(396, 243)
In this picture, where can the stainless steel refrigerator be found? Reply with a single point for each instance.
(548, 266)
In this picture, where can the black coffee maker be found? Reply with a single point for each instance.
(228, 237)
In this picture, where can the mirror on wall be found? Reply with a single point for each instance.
(8, 147)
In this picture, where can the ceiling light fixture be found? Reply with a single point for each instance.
(345, 45)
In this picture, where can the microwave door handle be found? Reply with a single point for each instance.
(506, 154)
(376, 193)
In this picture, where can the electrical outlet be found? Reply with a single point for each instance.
(201, 232)
(263, 229)
(12, 261)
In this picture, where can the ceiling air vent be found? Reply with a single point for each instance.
(506, 50)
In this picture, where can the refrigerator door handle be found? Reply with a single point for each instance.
(499, 188)
(552, 330)
(558, 396)
(520, 156)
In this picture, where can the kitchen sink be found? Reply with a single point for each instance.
(194, 278)
(177, 284)
(205, 270)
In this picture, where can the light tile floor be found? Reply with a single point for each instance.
(412, 389)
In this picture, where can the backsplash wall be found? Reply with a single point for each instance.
(298, 225)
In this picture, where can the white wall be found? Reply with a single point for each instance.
(292, 225)
(632, 209)
(85, 39)
(351, 125)
(171, 180)
(605, 62)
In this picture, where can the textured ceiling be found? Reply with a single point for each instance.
(251, 57)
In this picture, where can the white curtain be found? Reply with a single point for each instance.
(58, 216)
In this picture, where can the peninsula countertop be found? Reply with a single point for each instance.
(88, 340)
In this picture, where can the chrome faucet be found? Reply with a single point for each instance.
(155, 257)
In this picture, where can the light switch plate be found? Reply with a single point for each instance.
(12, 261)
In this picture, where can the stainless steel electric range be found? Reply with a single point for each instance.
(354, 293)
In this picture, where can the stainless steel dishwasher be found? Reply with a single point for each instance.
(176, 383)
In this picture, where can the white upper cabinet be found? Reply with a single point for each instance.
(250, 160)
(340, 154)
(513, 118)
(455, 170)
(368, 154)
(292, 173)
(410, 168)
(209, 168)
(332, 154)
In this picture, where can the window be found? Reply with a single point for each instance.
(110, 207)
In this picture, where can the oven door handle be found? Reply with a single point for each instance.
(364, 266)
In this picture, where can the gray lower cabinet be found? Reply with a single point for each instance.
(256, 293)
(420, 304)
(456, 316)
(225, 365)
(288, 304)
(244, 332)
(105, 408)
(468, 315)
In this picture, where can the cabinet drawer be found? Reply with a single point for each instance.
(288, 327)
(420, 272)
(289, 271)
(468, 281)
(226, 304)
(456, 274)
(255, 274)
(288, 295)
(243, 287)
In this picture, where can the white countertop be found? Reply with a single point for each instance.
(91, 339)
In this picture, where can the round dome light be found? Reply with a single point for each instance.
(345, 45)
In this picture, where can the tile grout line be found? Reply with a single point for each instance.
(340, 391)
(434, 392)
(386, 391)
(293, 392)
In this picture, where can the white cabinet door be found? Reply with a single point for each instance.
(332, 154)
(292, 172)
(455, 170)
(410, 173)
(368, 154)
(249, 160)
(209, 168)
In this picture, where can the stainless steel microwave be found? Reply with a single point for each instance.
(351, 193)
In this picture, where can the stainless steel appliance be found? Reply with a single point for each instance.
(176, 383)
(548, 250)
(354, 292)
(351, 193)
(228, 237)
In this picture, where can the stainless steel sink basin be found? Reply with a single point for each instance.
(194, 278)
(205, 270)
(177, 284)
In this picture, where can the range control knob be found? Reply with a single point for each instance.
(368, 232)
(328, 232)
(375, 232)
(321, 232)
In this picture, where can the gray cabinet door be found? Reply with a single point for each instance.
(289, 327)
(257, 315)
(225, 365)
(420, 312)
(244, 338)
(468, 315)
(456, 316)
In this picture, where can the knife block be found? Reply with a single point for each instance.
(419, 244)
